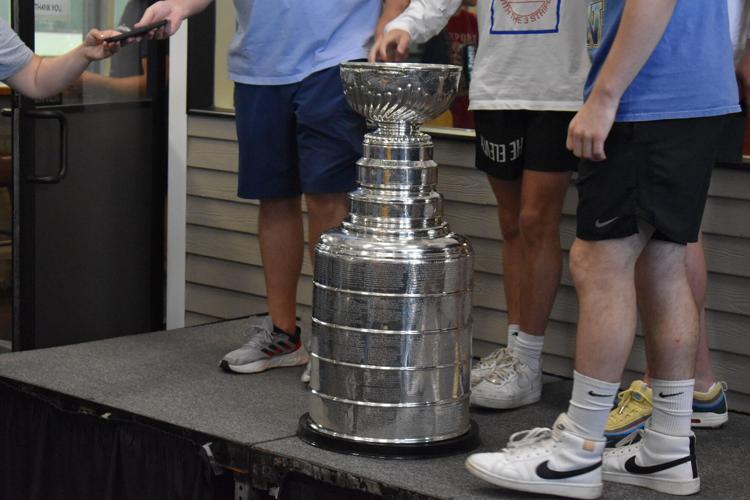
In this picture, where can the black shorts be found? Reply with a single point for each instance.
(657, 172)
(732, 140)
(510, 141)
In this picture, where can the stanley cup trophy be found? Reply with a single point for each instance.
(391, 333)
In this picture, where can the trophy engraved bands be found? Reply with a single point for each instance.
(391, 336)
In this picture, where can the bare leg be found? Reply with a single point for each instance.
(508, 195)
(695, 260)
(603, 275)
(281, 249)
(696, 274)
(543, 194)
(669, 311)
(325, 211)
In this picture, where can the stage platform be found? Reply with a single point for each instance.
(171, 381)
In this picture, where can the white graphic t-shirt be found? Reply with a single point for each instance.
(531, 55)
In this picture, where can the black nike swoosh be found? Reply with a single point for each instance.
(634, 468)
(592, 393)
(545, 472)
(662, 395)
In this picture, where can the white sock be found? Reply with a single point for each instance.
(528, 349)
(673, 406)
(512, 333)
(591, 403)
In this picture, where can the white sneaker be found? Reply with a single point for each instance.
(548, 461)
(510, 385)
(654, 460)
(485, 365)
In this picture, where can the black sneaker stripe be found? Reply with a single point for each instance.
(545, 472)
(634, 468)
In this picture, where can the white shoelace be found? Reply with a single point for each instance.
(260, 337)
(495, 358)
(525, 440)
(505, 371)
(628, 440)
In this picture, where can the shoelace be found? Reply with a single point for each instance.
(521, 441)
(259, 337)
(629, 439)
(626, 397)
(493, 358)
(505, 371)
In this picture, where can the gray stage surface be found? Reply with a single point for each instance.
(172, 378)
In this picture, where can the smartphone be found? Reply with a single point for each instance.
(134, 32)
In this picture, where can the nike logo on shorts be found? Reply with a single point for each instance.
(599, 224)
(545, 472)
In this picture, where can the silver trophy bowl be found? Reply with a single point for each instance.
(399, 92)
(391, 337)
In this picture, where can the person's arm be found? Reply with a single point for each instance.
(641, 28)
(391, 10)
(42, 77)
(422, 20)
(174, 11)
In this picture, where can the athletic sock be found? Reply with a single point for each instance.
(512, 334)
(673, 406)
(590, 404)
(528, 349)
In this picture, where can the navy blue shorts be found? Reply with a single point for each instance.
(297, 138)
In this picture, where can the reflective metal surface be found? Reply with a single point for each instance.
(391, 342)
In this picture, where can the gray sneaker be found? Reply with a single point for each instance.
(267, 348)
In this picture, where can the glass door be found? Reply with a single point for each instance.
(89, 184)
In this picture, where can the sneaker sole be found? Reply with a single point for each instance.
(505, 404)
(708, 420)
(682, 488)
(548, 488)
(296, 358)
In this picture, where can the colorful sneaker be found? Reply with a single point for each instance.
(510, 385)
(549, 461)
(633, 409)
(268, 347)
(485, 365)
(654, 460)
(710, 408)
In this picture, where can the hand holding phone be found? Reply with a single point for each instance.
(128, 32)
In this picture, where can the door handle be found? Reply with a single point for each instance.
(63, 166)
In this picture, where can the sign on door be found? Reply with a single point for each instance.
(59, 9)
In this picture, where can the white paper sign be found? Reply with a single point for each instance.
(52, 8)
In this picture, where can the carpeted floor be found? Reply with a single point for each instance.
(173, 377)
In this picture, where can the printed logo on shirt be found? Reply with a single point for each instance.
(519, 17)
(596, 20)
(502, 153)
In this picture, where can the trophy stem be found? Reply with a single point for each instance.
(397, 129)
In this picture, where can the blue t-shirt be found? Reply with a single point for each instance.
(14, 54)
(283, 41)
(690, 74)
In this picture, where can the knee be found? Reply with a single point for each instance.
(535, 227)
(280, 205)
(589, 267)
(509, 225)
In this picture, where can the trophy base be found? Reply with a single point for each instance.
(408, 451)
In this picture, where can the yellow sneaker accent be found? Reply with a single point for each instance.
(633, 409)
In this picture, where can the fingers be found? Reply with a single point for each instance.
(403, 47)
(393, 46)
(584, 144)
